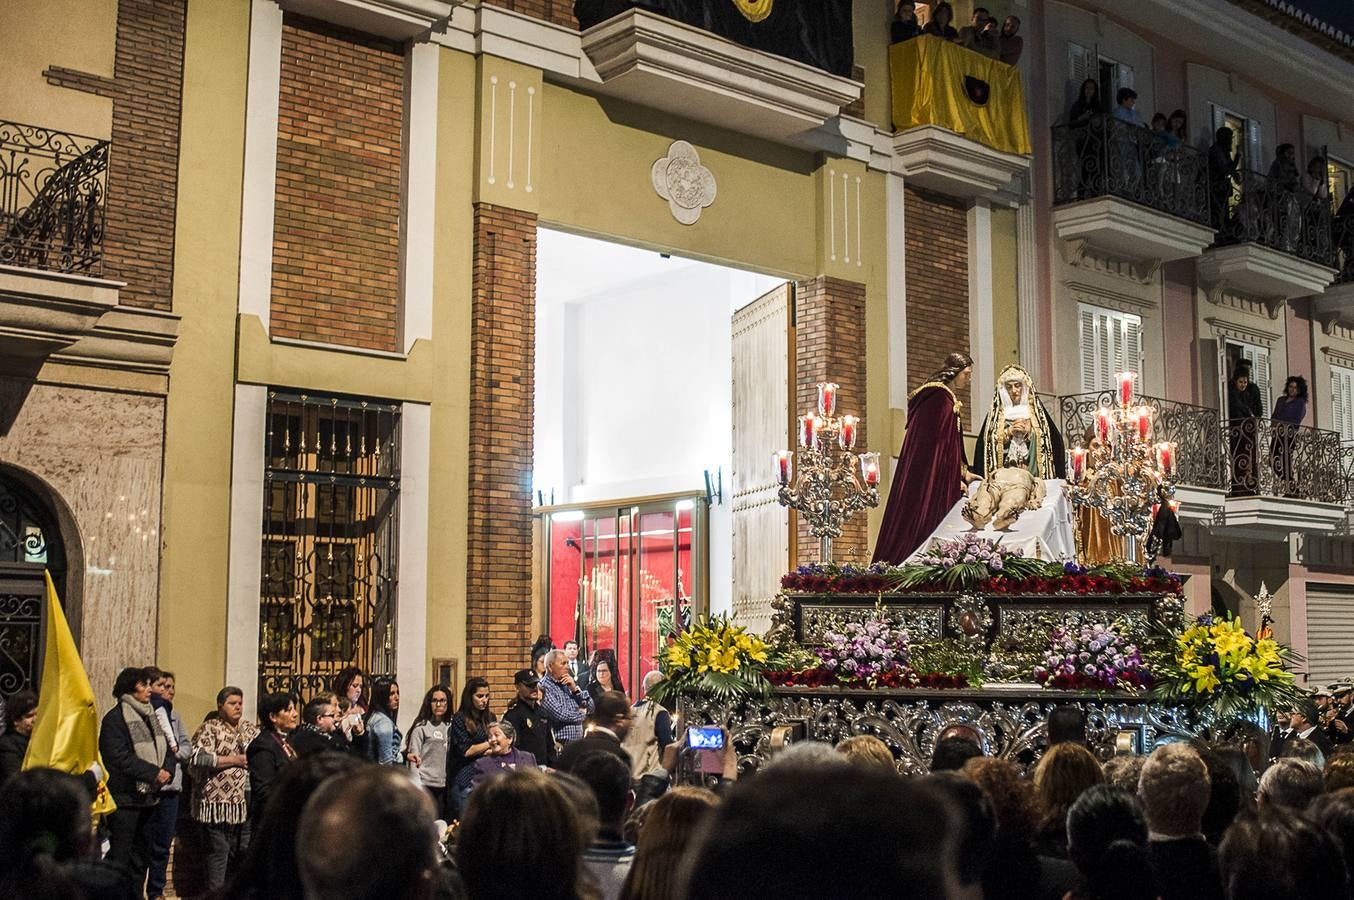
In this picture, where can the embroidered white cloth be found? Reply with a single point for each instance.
(1044, 533)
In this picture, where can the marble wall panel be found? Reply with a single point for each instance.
(101, 453)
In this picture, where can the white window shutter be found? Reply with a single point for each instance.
(1341, 397)
(1258, 357)
(1132, 360)
(1080, 64)
(1125, 74)
(1253, 149)
(1111, 342)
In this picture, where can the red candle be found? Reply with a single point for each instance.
(1102, 425)
(1125, 388)
(847, 436)
(1144, 422)
(807, 429)
(781, 461)
(1166, 458)
(827, 398)
(1078, 464)
(1156, 507)
(1174, 505)
(869, 468)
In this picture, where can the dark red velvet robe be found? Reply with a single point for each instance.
(929, 478)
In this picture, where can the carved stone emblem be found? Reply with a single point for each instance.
(680, 179)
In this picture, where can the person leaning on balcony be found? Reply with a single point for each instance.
(1222, 174)
(1284, 175)
(904, 26)
(942, 23)
(1009, 42)
(1125, 110)
(1314, 183)
(1243, 413)
(980, 34)
(1289, 411)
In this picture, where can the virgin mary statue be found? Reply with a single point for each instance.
(931, 469)
(1018, 432)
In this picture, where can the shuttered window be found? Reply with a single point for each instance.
(1342, 401)
(1258, 358)
(1330, 632)
(1111, 342)
(1081, 64)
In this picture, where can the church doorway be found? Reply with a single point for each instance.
(30, 542)
(651, 411)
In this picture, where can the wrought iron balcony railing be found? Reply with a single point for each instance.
(1258, 209)
(1276, 459)
(1111, 158)
(1343, 233)
(52, 190)
(1195, 430)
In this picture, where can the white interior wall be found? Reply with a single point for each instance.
(633, 380)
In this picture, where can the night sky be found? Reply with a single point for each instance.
(1339, 13)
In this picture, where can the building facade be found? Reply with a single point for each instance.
(298, 355)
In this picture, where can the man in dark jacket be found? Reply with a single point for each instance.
(528, 720)
(139, 762)
(19, 713)
(607, 728)
(318, 732)
(1174, 789)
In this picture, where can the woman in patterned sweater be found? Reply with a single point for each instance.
(221, 786)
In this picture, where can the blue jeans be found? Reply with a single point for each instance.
(226, 847)
(162, 827)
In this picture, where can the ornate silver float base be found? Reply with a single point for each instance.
(1008, 722)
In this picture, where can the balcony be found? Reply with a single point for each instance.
(1339, 297)
(1252, 477)
(1283, 478)
(53, 301)
(1195, 430)
(960, 119)
(659, 62)
(1120, 189)
(1272, 243)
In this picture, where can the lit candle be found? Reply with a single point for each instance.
(869, 468)
(781, 461)
(1078, 464)
(1166, 458)
(827, 398)
(1174, 505)
(1102, 425)
(847, 436)
(1125, 388)
(807, 428)
(1144, 422)
(1156, 508)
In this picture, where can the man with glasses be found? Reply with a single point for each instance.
(318, 731)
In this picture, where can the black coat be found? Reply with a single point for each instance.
(266, 759)
(13, 746)
(1185, 869)
(591, 743)
(533, 732)
(1244, 404)
(306, 741)
(125, 768)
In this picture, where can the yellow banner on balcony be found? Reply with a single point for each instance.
(939, 83)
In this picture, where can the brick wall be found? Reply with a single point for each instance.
(830, 346)
(143, 163)
(937, 283)
(561, 12)
(502, 381)
(337, 221)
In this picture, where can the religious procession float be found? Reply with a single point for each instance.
(999, 589)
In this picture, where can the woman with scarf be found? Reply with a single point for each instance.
(220, 800)
(139, 762)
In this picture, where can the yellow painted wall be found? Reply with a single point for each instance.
(871, 19)
(1005, 300)
(75, 34)
(196, 534)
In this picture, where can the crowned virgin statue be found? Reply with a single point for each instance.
(1018, 431)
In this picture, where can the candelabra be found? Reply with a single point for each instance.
(1123, 476)
(820, 480)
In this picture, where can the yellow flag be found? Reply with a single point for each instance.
(66, 733)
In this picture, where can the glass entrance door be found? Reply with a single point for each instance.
(624, 576)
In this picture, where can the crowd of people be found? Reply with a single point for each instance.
(983, 34)
(576, 792)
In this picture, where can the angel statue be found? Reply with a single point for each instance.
(1018, 448)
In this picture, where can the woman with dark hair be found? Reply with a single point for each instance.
(605, 674)
(46, 842)
(468, 740)
(521, 839)
(1179, 126)
(21, 711)
(941, 24)
(1087, 106)
(1107, 841)
(139, 762)
(1289, 411)
(269, 870)
(351, 684)
(385, 734)
(426, 746)
(270, 751)
(932, 470)
(904, 26)
(220, 798)
(1063, 773)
